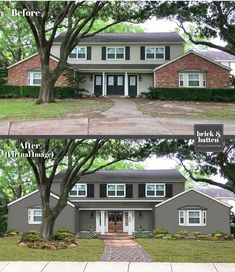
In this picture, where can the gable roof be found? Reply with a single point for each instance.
(217, 192)
(218, 55)
(34, 192)
(195, 53)
(194, 190)
(142, 37)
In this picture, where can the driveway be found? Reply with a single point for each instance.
(122, 119)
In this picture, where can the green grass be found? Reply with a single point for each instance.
(18, 109)
(189, 251)
(87, 250)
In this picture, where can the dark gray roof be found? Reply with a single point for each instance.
(131, 176)
(217, 55)
(165, 37)
(114, 66)
(217, 192)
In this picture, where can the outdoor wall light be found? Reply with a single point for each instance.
(140, 77)
(91, 77)
(140, 214)
(92, 214)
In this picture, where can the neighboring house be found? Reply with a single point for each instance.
(126, 201)
(222, 195)
(127, 64)
(221, 57)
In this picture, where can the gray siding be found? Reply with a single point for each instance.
(144, 219)
(167, 215)
(85, 219)
(18, 215)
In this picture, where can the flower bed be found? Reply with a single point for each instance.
(88, 235)
(143, 234)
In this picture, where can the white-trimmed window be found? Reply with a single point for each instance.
(34, 78)
(192, 218)
(192, 80)
(155, 190)
(115, 53)
(116, 190)
(155, 52)
(79, 53)
(79, 190)
(34, 216)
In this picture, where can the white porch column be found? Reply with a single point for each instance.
(126, 85)
(102, 227)
(131, 222)
(103, 84)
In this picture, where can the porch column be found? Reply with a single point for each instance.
(126, 85)
(103, 85)
(102, 227)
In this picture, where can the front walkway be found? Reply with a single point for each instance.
(114, 267)
(124, 250)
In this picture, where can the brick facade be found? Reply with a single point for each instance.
(18, 74)
(168, 75)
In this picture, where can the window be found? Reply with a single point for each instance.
(116, 190)
(155, 52)
(79, 190)
(78, 53)
(35, 78)
(154, 190)
(115, 53)
(192, 218)
(34, 216)
(192, 80)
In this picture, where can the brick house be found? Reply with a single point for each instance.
(127, 64)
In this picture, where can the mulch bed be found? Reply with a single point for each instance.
(52, 245)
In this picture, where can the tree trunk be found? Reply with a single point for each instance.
(46, 89)
(47, 226)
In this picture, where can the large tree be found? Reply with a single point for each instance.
(212, 18)
(77, 158)
(76, 19)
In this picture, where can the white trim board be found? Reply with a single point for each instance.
(192, 189)
(115, 209)
(195, 53)
(118, 200)
(34, 192)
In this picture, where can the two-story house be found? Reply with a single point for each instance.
(126, 201)
(127, 64)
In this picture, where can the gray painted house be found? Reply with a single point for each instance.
(124, 201)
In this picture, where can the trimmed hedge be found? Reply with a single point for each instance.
(142, 234)
(191, 94)
(14, 91)
(88, 235)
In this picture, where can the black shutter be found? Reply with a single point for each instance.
(167, 53)
(142, 52)
(103, 57)
(88, 57)
(103, 190)
(129, 190)
(127, 52)
(142, 190)
(169, 190)
(90, 190)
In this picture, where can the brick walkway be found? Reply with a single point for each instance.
(124, 250)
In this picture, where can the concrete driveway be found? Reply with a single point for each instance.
(114, 267)
(122, 119)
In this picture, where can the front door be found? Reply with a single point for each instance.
(115, 220)
(132, 86)
(98, 85)
(115, 85)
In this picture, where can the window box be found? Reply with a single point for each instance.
(34, 216)
(79, 190)
(155, 190)
(116, 190)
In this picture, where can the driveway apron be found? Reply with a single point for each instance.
(124, 250)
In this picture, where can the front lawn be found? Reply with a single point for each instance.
(26, 109)
(88, 250)
(187, 109)
(189, 251)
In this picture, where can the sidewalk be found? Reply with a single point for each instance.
(114, 267)
(110, 126)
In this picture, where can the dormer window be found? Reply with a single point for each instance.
(116, 190)
(78, 53)
(79, 190)
(155, 190)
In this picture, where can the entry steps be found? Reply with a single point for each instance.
(116, 236)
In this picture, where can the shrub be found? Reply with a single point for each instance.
(65, 236)
(31, 236)
(143, 234)
(88, 235)
(160, 230)
(191, 94)
(184, 232)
